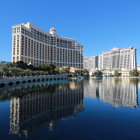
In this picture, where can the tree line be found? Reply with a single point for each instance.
(132, 73)
(22, 69)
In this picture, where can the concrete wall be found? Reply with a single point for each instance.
(27, 79)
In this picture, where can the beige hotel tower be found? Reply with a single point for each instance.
(35, 46)
(118, 59)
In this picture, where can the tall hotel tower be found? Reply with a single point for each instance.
(35, 46)
(118, 59)
(91, 62)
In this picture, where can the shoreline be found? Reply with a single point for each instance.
(8, 82)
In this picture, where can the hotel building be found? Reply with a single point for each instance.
(138, 68)
(118, 59)
(91, 62)
(35, 46)
(4, 62)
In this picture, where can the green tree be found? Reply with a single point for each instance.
(21, 64)
(65, 70)
(50, 68)
(5, 71)
(28, 72)
(134, 73)
(97, 74)
(85, 72)
(57, 70)
(117, 74)
(15, 71)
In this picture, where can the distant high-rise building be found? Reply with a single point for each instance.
(4, 62)
(138, 68)
(35, 46)
(118, 59)
(91, 62)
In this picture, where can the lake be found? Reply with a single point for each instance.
(104, 109)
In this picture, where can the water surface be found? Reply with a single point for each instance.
(106, 109)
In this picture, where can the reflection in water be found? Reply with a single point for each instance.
(118, 92)
(36, 106)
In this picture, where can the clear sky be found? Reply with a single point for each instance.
(98, 24)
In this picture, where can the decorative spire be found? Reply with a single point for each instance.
(53, 31)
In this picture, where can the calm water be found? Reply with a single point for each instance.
(105, 109)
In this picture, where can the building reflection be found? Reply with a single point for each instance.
(118, 92)
(44, 106)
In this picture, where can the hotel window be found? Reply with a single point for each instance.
(37, 51)
(25, 46)
(34, 49)
(28, 47)
(18, 29)
(43, 51)
(22, 30)
(40, 51)
(31, 48)
(22, 47)
(14, 30)
(17, 44)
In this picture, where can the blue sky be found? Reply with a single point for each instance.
(98, 24)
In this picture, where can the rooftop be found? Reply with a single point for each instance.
(28, 25)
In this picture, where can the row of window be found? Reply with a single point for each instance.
(37, 50)
(48, 39)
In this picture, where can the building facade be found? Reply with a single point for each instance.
(4, 62)
(138, 68)
(35, 46)
(118, 59)
(91, 62)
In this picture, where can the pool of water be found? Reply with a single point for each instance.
(106, 109)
